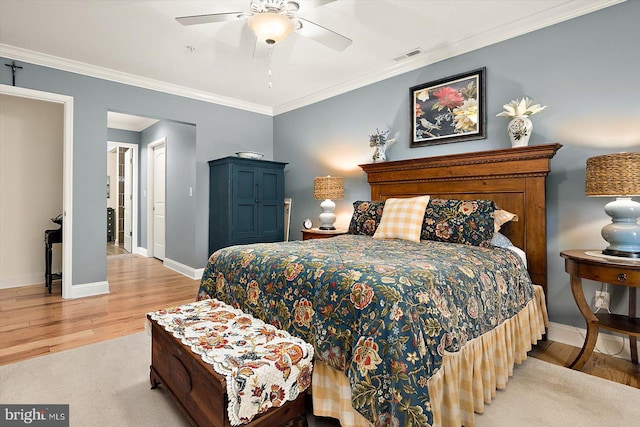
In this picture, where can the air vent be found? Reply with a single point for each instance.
(410, 54)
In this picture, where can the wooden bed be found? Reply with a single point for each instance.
(278, 282)
(514, 178)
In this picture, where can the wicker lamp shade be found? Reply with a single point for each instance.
(617, 175)
(328, 187)
(613, 175)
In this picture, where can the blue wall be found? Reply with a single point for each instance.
(220, 131)
(121, 135)
(180, 151)
(585, 70)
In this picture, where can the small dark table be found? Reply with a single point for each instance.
(582, 264)
(51, 237)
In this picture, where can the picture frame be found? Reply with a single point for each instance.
(452, 109)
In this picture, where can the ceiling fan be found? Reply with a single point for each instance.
(273, 20)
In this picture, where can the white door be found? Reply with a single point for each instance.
(128, 178)
(159, 201)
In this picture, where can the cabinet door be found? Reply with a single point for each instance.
(271, 199)
(245, 200)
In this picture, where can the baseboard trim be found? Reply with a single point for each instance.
(190, 272)
(606, 344)
(89, 289)
(15, 282)
(140, 251)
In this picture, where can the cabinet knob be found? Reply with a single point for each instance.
(622, 277)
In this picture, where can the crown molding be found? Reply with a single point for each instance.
(568, 10)
(563, 12)
(45, 60)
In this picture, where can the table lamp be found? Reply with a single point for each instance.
(327, 188)
(617, 175)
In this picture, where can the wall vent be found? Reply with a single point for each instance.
(407, 55)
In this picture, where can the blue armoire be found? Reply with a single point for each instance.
(246, 202)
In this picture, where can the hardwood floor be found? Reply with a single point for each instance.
(113, 249)
(34, 323)
(600, 365)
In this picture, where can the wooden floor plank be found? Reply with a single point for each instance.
(34, 322)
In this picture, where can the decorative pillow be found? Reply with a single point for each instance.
(500, 240)
(468, 222)
(366, 217)
(402, 219)
(501, 217)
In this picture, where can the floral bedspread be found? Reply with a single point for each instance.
(263, 367)
(383, 311)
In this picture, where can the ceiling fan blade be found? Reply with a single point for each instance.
(260, 49)
(207, 19)
(323, 35)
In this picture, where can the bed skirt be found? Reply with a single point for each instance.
(467, 380)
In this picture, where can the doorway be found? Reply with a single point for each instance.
(67, 174)
(156, 199)
(122, 198)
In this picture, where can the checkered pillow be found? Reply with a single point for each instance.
(402, 219)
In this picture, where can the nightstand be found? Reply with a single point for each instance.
(316, 233)
(590, 264)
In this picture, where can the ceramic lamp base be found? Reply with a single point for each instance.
(623, 233)
(327, 217)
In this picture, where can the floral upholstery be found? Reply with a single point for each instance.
(263, 366)
(468, 222)
(366, 217)
(382, 311)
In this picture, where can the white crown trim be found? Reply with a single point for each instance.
(565, 11)
(570, 9)
(45, 60)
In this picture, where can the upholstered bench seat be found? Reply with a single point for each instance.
(225, 368)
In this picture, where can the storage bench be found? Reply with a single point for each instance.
(194, 343)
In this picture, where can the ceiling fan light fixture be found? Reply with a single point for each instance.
(270, 27)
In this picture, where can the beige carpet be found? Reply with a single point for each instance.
(107, 384)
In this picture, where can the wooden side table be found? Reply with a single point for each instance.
(587, 264)
(316, 233)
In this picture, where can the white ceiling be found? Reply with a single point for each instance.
(128, 122)
(140, 42)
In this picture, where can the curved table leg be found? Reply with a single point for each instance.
(633, 340)
(592, 324)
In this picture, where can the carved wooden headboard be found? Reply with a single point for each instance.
(514, 178)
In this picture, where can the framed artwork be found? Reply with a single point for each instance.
(452, 109)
